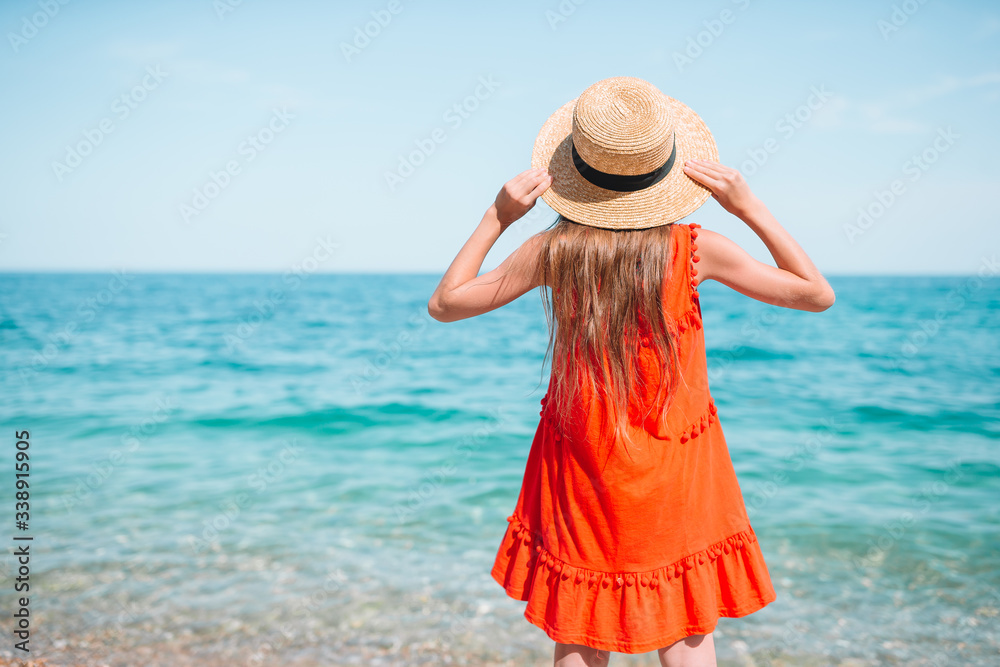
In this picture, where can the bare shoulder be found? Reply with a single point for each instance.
(725, 261)
(526, 260)
(532, 247)
(716, 253)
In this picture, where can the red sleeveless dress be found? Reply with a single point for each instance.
(631, 548)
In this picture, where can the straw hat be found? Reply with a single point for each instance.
(617, 156)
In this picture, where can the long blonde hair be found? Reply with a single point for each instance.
(605, 293)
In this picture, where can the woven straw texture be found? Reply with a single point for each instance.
(623, 125)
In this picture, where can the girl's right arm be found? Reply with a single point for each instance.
(795, 283)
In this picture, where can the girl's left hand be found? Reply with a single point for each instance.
(518, 195)
(727, 185)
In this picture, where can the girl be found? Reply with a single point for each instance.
(629, 533)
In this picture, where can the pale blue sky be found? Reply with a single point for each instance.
(329, 126)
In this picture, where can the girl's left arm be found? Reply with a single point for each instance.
(462, 293)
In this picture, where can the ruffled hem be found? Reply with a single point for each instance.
(632, 612)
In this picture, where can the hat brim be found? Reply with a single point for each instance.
(573, 196)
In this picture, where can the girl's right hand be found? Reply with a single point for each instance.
(518, 195)
(727, 185)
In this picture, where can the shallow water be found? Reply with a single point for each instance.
(327, 482)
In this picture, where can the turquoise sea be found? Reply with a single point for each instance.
(306, 470)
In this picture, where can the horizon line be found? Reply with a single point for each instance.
(222, 272)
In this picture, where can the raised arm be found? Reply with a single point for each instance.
(795, 283)
(462, 293)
